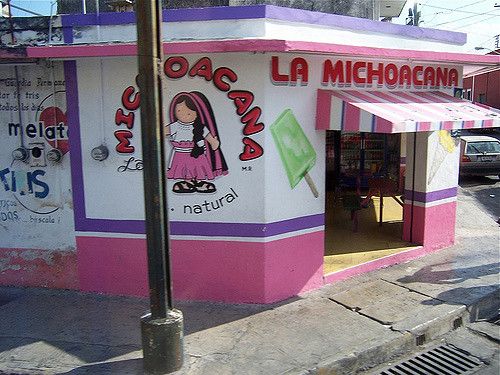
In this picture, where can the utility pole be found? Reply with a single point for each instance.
(413, 15)
(416, 14)
(162, 329)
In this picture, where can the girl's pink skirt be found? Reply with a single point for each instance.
(184, 167)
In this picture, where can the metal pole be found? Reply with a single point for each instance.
(413, 172)
(472, 91)
(162, 329)
(416, 17)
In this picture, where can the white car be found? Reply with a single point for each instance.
(479, 156)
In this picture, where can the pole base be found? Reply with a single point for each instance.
(162, 343)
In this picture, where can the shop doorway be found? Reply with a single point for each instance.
(364, 188)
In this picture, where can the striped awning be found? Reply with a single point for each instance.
(399, 112)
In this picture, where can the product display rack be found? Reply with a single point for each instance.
(353, 158)
(362, 156)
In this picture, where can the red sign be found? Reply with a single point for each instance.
(55, 128)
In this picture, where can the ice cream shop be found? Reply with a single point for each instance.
(303, 148)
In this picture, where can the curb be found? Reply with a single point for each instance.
(410, 340)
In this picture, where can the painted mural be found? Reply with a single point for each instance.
(213, 131)
(196, 156)
(296, 152)
(35, 186)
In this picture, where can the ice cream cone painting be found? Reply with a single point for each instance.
(445, 147)
(296, 152)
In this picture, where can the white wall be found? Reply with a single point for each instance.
(263, 191)
(111, 194)
(43, 217)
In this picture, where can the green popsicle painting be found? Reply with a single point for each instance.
(296, 152)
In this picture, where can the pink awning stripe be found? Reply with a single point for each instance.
(411, 109)
(372, 104)
(469, 124)
(488, 123)
(383, 126)
(442, 101)
(323, 109)
(424, 126)
(351, 118)
(399, 112)
(447, 125)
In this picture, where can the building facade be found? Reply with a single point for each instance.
(482, 86)
(249, 208)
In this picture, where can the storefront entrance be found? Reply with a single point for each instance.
(364, 208)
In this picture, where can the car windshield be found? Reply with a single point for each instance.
(483, 147)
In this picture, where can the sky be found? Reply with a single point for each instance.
(37, 6)
(480, 19)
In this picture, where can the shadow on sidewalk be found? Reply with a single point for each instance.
(433, 275)
(128, 366)
(483, 294)
(464, 296)
(199, 316)
(96, 328)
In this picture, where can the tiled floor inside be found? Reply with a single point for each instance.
(345, 248)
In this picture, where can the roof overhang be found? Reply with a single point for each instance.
(391, 8)
(471, 71)
(264, 45)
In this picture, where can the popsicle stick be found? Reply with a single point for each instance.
(310, 182)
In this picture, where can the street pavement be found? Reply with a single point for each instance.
(343, 328)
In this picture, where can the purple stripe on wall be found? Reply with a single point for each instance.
(433, 195)
(170, 15)
(112, 226)
(353, 23)
(189, 228)
(75, 145)
(68, 34)
(292, 225)
(246, 229)
(215, 13)
(108, 18)
(272, 12)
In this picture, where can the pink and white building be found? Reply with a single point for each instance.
(78, 223)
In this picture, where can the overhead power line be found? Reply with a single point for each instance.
(465, 18)
(455, 10)
(487, 40)
(473, 23)
(468, 5)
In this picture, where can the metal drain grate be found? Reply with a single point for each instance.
(442, 360)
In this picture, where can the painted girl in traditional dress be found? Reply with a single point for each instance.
(196, 156)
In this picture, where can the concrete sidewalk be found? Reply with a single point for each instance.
(342, 328)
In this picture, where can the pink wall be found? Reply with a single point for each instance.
(218, 271)
(433, 227)
(294, 265)
(38, 267)
(227, 271)
(112, 265)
